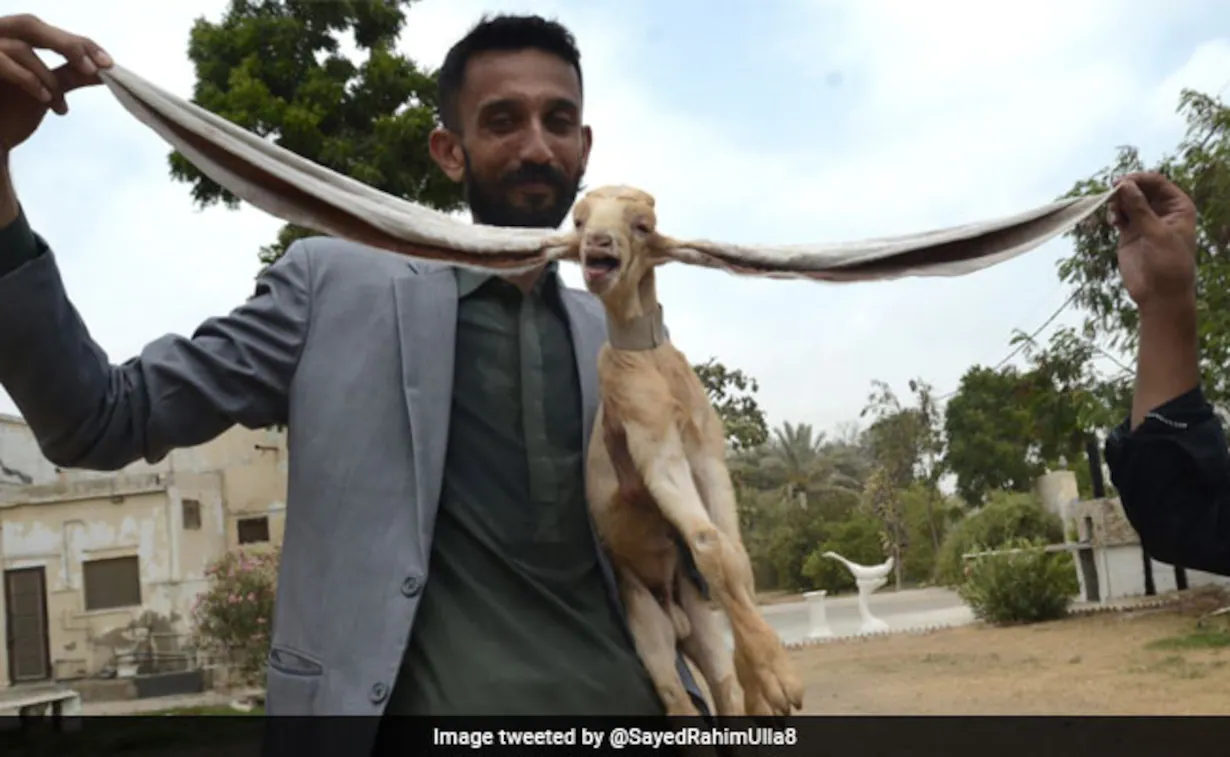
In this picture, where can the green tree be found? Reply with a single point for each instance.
(989, 430)
(906, 444)
(732, 393)
(274, 67)
(1068, 398)
(1201, 167)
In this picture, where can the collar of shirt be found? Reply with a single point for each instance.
(469, 280)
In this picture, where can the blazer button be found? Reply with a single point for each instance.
(412, 586)
(378, 693)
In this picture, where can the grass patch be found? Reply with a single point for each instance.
(1198, 638)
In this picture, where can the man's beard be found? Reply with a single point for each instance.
(489, 203)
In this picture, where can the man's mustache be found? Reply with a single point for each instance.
(535, 173)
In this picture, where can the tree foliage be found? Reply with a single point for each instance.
(276, 68)
(1201, 167)
(906, 445)
(1005, 516)
(988, 428)
(732, 393)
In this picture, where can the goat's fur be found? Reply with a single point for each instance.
(656, 468)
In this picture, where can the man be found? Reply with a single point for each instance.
(438, 555)
(1169, 459)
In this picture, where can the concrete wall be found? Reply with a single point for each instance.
(1118, 557)
(65, 518)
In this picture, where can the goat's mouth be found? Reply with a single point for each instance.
(598, 267)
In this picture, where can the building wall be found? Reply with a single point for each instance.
(68, 517)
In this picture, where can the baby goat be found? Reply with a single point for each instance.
(657, 468)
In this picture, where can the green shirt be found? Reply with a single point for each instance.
(516, 618)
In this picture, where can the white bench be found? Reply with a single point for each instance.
(65, 706)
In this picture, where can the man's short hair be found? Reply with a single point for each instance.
(500, 33)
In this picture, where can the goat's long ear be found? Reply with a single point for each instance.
(304, 193)
(953, 251)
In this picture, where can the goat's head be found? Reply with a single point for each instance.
(616, 239)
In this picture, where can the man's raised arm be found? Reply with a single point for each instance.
(85, 411)
(1169, 459)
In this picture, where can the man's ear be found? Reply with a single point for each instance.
(446, 151)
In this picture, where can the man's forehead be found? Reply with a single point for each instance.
(527, 75)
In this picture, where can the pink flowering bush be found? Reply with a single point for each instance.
(233, 616)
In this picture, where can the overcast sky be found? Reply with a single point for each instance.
(784, 121)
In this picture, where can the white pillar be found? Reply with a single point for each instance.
(817, 615)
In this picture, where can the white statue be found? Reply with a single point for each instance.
(868, 578)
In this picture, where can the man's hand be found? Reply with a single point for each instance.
(1157, 259)
(28, 88)
(1157, 242)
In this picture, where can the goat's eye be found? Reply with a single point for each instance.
(642, 227)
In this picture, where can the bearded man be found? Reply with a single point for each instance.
(438, 555)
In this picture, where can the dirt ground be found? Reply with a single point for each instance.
(1145, 662)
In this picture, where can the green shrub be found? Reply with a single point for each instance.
(1022, 587)
(857, 540)
(234, 615)
(1005, 516)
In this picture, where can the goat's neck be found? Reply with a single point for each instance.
(634, 323)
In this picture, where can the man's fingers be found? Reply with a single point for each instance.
(69, 77)
(1165, 197)
(82, 53)
(12, 71)
(1132, 207)
(27, 59)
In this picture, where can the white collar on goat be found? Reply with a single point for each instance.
(643, 332)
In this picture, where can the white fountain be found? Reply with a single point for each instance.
(868, 578)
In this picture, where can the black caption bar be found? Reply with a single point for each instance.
(810, 736)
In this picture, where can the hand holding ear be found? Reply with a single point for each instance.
(27, 87)
(1157, 241)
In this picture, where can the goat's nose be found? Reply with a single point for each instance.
(600, 239)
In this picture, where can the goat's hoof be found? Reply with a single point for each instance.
(781, 689)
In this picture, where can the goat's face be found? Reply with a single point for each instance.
(616, 232)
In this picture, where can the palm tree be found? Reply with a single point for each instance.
(805, 466)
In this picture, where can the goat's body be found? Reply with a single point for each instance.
(656, 469)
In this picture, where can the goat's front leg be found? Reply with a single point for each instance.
(763, 667)
(659, 455)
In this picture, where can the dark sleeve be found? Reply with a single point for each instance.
(18, 245)
(1173, 477)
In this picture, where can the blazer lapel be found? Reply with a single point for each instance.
(588, 336)
(427, 327)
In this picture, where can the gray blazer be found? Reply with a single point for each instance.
(352, 349)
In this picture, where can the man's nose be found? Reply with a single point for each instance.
(535, 148)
